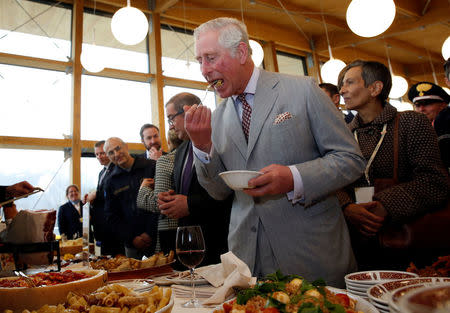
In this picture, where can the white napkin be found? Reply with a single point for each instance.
(232, 272)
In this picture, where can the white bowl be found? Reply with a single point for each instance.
(238, 180)
(432, 299)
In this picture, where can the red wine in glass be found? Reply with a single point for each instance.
(190, 247)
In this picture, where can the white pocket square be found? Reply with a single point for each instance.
(282, 117)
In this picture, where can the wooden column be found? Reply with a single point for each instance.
(270, 57)
(77, 41)
(312, 66)
(157, 85)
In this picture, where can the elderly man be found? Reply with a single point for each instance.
(135, 228)
(152, 141)
(432, 100)
(103, 233)
(190, 203)
(287, 128)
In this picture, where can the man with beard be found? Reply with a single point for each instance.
(152, 141)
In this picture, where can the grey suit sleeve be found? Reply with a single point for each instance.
(340, 162)
(208, 177)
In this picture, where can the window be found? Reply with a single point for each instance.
(113, 108)
(34, 102)
(113, 54)
(178, 56)
(35, 29)
(291, 64)
(41, 168)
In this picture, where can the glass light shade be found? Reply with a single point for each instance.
(257, 52)
(446, 48)
(129, 25)
(330, 71)
(369, 18)
(446, 90)
(92, 58)
(399, 87)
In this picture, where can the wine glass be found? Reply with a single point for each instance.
(190, 247)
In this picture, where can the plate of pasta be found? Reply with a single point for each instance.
(51, 289)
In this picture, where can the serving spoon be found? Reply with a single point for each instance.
(27, 279)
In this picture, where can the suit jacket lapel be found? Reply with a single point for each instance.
(236, 133)
(179, 163)
(265, 97)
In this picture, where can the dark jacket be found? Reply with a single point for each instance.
(442, 128)
(212, 215)
(69, 221)
(120, 206)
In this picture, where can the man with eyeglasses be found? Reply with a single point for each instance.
(135, 228)
(431, 100)
(189, 202)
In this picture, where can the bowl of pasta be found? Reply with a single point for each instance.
(51, 288)
(114, 298)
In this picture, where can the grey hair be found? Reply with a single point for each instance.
(231, 33)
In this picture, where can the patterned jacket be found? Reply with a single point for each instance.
(423, 180)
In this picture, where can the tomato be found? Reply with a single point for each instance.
(271, 310)
(227, 307)
(345, 300)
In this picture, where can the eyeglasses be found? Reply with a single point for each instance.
(171, 118)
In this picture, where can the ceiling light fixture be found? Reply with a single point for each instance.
(129, 25)
(446, 48)
(91, 56)
(369, 18)
(257, 52)
(399, 84)
(331, 69)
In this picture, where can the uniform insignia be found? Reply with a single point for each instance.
(423, 87)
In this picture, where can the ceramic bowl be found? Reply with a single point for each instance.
(238, 180)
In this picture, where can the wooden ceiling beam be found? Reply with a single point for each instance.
(410, 8)
(345, 39)
(257, 28)
(305, 12)
(163, 5)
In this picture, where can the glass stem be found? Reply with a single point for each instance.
(194, 299)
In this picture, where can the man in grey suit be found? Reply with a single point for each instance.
(287, 128)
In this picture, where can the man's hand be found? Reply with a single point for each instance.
(148, 182)
(19, 189)
(154, 153)
(277, 179)
(197, 122)
(363, 219)
(89, 197)
(173, 205)
(142, 241)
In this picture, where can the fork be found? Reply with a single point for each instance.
(206, 90)
(28, 279)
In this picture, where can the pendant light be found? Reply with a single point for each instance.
(331, 69)
(129, 25)
(91, 57)
(369, 18)
(399, 84)
(257, 52)
(446, 48)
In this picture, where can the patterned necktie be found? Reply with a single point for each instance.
(246, 115)
(186, 180)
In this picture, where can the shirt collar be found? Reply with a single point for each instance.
(251, 85)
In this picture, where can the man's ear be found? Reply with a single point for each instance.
(375, 88)
(242, 52)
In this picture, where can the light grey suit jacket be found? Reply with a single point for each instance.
(309, 238)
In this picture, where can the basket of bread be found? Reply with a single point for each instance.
(121, 267)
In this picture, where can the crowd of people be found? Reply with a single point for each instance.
(330, 183)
